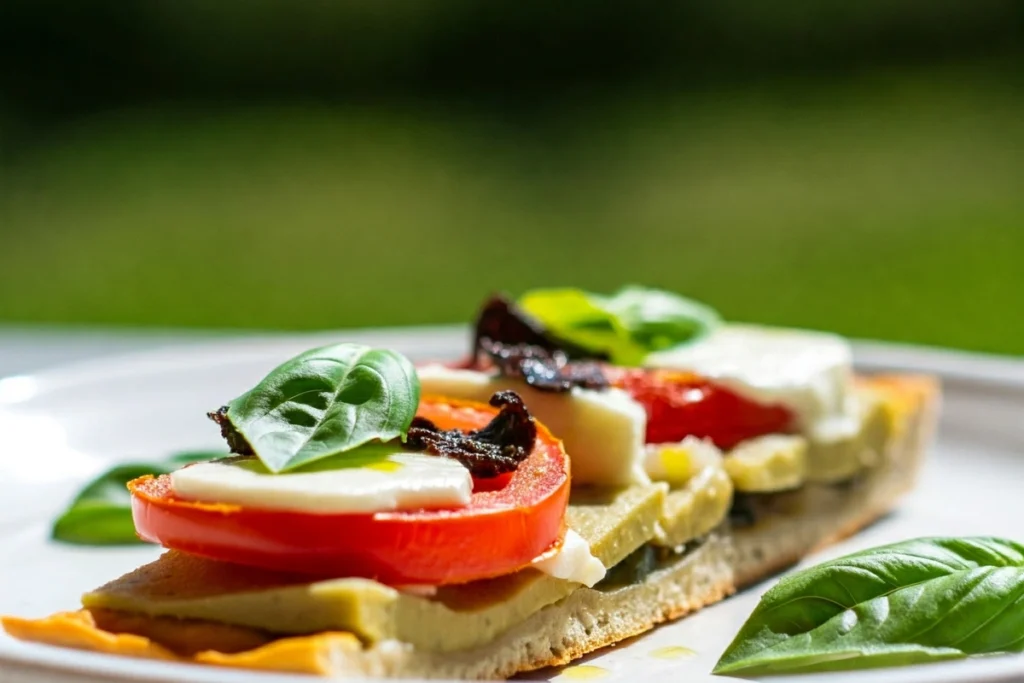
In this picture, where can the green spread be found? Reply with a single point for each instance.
(769, 463)
(617, 523)
(614, 522)
(695, 508)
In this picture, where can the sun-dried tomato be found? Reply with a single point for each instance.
(501, 320)
(236, 442)
(490, 451)
(543, 369)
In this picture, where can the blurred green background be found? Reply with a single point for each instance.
(850, 166)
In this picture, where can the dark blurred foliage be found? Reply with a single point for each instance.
(63, 58)
(854, 166)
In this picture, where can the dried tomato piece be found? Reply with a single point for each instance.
(500, 320)
(491, 451)
(543, 369)
(236, 442)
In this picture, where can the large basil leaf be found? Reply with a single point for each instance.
(921, 600)
(101, 513)
(324, 402)
(626, 326)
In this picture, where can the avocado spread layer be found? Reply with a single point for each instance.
(614, 522)
(695, 508)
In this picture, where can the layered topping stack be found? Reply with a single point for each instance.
(432, 505)
(343, 470)
(640, 380)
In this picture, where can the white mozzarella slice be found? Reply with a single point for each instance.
(396, 481)
(808, 372)
(603, 431)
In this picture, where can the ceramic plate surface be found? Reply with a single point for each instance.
(60, 427)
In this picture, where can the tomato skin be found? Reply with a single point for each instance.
(507, 523)
(680, 404)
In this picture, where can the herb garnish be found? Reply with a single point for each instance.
(101, 514)
(501, 320)
(543, 369)
(490, 451)
(623, 327)
(918, 601)
(322, 402)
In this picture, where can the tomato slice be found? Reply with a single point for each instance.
(508, 522)
(681, 404)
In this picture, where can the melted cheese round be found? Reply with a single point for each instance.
(395, 481)
(809, 373)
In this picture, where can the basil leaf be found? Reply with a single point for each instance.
(626, 326)
(96, 523)
(575, 315)
(324, 402)
(658, 320)
(101, 513)
(921, 600)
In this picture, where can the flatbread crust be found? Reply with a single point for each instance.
(584, 621)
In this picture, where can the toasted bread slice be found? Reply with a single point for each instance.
(587, 619)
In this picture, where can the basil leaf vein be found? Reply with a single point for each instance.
(324, 402)
(922, 600)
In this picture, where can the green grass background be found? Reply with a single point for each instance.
(889, 206)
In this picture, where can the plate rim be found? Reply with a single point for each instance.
(988, 370)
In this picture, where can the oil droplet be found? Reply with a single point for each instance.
(583, 672)
(672, 652)
(385, 466)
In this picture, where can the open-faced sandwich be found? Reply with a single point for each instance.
(598, 465)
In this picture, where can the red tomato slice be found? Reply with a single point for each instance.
(681, 404)
(508, 522)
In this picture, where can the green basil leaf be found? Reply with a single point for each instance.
(657, 320)
(96, 523)
(101, 513)
(921, 600)
(324, 402)
(577, 316)
(627, 325)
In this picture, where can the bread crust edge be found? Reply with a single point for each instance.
(728, 560)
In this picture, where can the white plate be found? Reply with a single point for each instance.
(60, 427)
